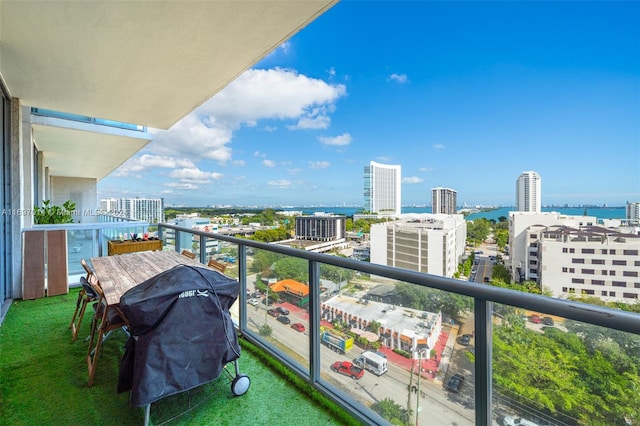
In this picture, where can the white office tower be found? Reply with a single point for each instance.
(633, 212)
(444, 200)
(382, 190)
(528, 192)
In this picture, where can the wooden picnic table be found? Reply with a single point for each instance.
(119, 273)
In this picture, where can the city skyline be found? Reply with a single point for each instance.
(434, 87)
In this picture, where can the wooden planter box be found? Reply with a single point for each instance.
(121, 247)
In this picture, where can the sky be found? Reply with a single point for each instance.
(463, 95)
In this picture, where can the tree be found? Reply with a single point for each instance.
(393, 412)
(292, 268)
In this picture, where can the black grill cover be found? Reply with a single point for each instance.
(182, 334)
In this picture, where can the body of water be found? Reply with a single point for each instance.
(598, 212)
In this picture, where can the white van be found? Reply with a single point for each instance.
(373, 362)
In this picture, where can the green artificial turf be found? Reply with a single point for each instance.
(43, 381)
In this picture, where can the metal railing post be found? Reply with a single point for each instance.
(483, 354)
(314, 320)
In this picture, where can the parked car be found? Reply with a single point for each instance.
(465, 339)
(283, 311)
(253, 302)
(455, 382)
(535, 319)
(547, 321)
(348, 369)
(267, 301)
(516, 421)
(283, 319)
(273, 312)
(298, 326)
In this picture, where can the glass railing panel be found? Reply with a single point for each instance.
(81, 244)
(278, 301)
(550, 370)
(407, 340)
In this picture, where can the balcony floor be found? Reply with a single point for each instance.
(44, 380)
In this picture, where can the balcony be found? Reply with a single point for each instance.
(456, 352)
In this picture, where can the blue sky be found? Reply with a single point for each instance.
(464, 95)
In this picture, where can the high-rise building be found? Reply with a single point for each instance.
(444, 200)
(382, 190)
(633, 212)
(147, 209)
(528, 192)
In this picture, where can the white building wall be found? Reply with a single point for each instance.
(591, 268)
(82, 191)
(436, 242)
(519, 241)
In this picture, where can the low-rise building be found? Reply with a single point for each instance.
(411, 330)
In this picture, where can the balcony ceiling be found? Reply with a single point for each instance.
(142, 62)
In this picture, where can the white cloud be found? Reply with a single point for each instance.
(438, 146)
(181, 185)
(194, 174)
(399, 78)
(426, 169)
(193, 137)
(412, 180)
(282, 183)
(257, 94)
(341, 140)
(276, 93)
(268, 163)
(319, 164)
(148, 161)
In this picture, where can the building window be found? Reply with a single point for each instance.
(612, 273)
(597, 282)
(604, 293)
(564, 250)
(604, 272)
(630, 295)
(577, 281)
(533, 236)
(603, 251)
(571, 250)
(574, 260)
(564, 269)
(597, 261)
(636, 263)
(619, 262)
(612, 294)
(588, 271)
(572, 270)
(629, 273)
(636, 285)
(619, 284)
(589, 292)
(630, 252)
(564, 289)
(588, 251)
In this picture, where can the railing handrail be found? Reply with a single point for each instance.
(578, 311)
(86, 226)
